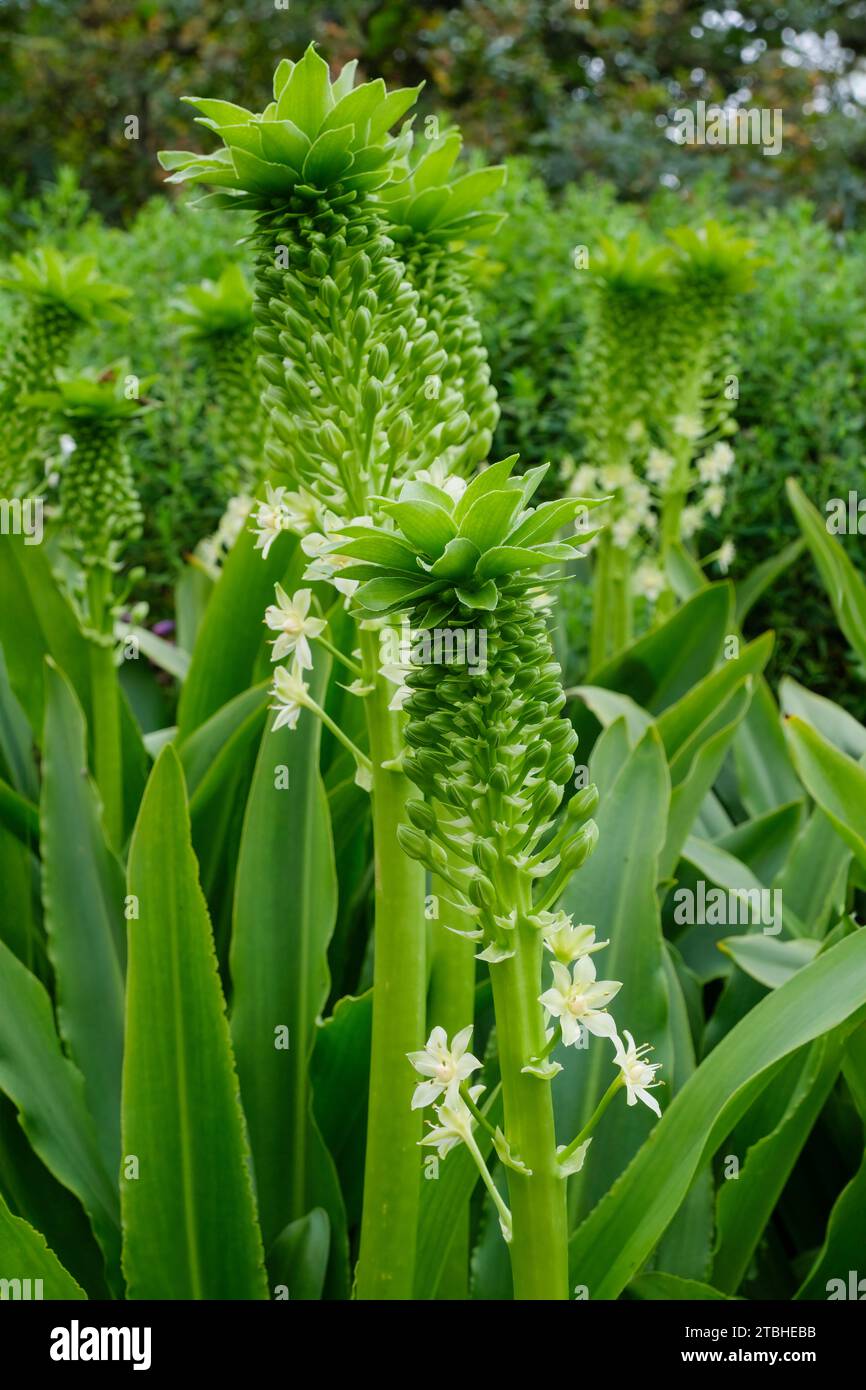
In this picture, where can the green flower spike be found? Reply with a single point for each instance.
(345, 350)
(433, 215)
(491, 754)
(217, 318)
(61, 295)
(98, 499)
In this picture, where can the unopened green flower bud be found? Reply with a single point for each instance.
(583, 804)
(379, 362)
(400, 433)
(422, 816)
(577, 850)
(485, 856)
(332, 438)
(481, 891)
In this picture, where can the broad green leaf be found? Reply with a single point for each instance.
(298, 1258)
(487, 521)
(766, 777)
(616, 891)
(231, 631)
(621, 1232)
(340, 1072)
(767, 959)
(834, 780)
(685, 1249)
(845, 587)
(83, 895)
(662, 666)
(329, 156)
(284, 911)
(702, 757)
(48, 1093)
(746, 1204)
(608, 705)
(25, 1255)
(163, 654)
(189, 1217)
(814, 878)
(210, 754)
(681, 724)
(841, 728)
(764, 842)
(842, 1251)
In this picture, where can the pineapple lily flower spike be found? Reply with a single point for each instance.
(369, 377)
(491, 754)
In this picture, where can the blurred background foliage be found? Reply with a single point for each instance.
(577, 101)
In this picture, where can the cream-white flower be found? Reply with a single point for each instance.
(290, 618)
(716, 463)
(727, 553)
(623, 531)
(565, 940)
(446, 1067)
(714, 499)
(578, 998)
(271, 519)
(650, 581)
(232, 520)
(584, 482)
(325, 563)
(455, 1124)
(614, 475)
(291, 694)
(659, 466)
(691, 520)
(688, 426)
(637, 1073)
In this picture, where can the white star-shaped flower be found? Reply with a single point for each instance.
(566, 941)
(445, 1066)
(578, 998)
(271, 519)
(290, 618)
(637, 1073)
(455, 1124)
(659, 466)
(291, 695)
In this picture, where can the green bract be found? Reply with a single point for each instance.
(448, 558)
(216, 307)
(72, 284)
(314, 134)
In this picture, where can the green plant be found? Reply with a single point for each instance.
(216, 317)
(60, 296)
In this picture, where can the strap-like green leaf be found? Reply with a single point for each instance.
(25, 1256)
(619, 1235)
(189, 1218)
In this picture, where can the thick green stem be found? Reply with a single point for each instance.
(105, 706)
(611, 602)
(452, 1004)
(392, 1175)
(539, 1247)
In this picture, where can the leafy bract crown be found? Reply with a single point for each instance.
(214, 307)
(71, 283)
(314, 135)
(446, 557)
(93, 395)
(431, 202)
